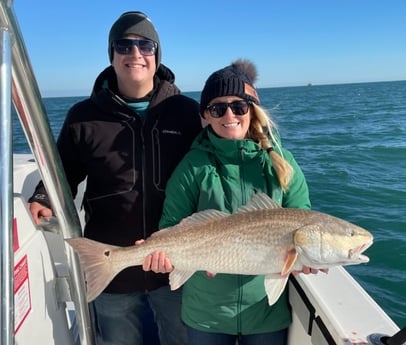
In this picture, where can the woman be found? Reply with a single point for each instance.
(237, 155)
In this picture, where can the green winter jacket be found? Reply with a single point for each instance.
(224, 174)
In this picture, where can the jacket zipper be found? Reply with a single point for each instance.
(239, 279)
(144, 203)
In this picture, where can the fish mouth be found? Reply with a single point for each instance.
(356, 253)
(363, 258)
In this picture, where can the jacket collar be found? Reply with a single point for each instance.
(226, 148)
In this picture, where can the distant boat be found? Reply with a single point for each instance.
(310, 84)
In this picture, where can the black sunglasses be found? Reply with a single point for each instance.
(237, 107)
(124, 46)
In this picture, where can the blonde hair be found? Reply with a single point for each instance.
(260, 120)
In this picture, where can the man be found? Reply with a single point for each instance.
(126, 139)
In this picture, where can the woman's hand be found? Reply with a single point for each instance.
(309, 270)
(156, 262)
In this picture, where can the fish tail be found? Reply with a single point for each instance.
(95, 260)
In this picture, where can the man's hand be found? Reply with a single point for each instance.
(39, 211)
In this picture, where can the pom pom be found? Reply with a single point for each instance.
(247, 67)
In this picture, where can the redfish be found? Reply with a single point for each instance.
(261, 238)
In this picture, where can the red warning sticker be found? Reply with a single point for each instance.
(22, 296)
(16, 243)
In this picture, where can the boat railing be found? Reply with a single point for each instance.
(6, 280)
(19, 84)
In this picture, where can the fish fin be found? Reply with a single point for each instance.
(177, 278)
(274, 286)
(259, 201)
(185, 223)
(95, 260)
(290, 260)
(202, 216)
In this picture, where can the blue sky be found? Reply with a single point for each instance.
(292, 42)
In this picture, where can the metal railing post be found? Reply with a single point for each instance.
(6, 199)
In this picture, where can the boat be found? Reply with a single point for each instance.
(43, 293)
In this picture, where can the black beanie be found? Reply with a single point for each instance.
(136, 23)
(236, 79)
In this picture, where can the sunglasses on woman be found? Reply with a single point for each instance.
(239, 107)
(124, 46)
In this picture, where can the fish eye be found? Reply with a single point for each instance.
(351, 232)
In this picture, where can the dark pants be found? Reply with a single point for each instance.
(196, 337)
(119, 317)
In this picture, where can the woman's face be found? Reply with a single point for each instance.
(230, 125)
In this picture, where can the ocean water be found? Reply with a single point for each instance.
(350, 140)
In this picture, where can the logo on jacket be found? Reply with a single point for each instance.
(168, 131)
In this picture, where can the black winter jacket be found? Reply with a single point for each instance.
(127, 162)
